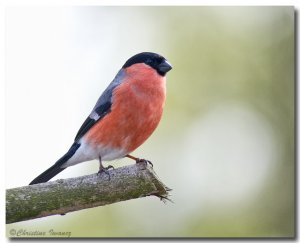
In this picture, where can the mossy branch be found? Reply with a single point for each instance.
(63, 196)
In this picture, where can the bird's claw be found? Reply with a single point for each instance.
(105, 170)
(144, 161)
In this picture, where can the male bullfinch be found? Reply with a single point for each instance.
(125, 115)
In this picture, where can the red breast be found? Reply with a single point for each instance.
(137, 107)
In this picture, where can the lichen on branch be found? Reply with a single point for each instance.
(67, 195)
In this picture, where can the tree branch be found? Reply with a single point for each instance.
(63, 196)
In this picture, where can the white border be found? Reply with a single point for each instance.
(148, 2)
(6, 3)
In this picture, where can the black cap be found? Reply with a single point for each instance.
(156, 61)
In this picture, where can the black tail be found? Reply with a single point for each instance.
(48, 174)
(57, 167)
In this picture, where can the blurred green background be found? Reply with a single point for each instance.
(225, 144)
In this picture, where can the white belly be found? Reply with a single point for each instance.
(87, 152)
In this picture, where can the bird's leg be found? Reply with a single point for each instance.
(104, 169)
(138, 160)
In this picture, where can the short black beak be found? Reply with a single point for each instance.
(164, 67)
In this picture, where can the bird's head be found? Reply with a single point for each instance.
(149, 60)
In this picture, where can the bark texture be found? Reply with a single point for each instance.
(63, 196)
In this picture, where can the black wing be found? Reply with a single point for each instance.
(102, 107)
(101, 111)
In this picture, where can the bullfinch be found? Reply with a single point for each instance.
(125, 115)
